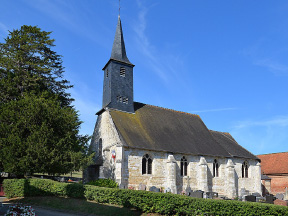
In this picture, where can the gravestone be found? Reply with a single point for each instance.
(270, 198)
(168, 190)
(280, 196)
(154, 189)
(142, 187)
(250, 198)
(188, 191)
(211, 195)
(244, 192)
(197, 194)
(256, 194)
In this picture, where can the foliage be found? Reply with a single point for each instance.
(38, 126)
(20, 209)
(104, 183)
(14, 187)
(150, 202)
(28, 64)
(41, 187)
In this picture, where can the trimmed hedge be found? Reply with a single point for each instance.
(150, 202)
(41, 187)
(104, 183)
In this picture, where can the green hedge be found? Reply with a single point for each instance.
(104, 183)
(41, 187)
(150, 202)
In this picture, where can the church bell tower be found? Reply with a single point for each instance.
(118, 76)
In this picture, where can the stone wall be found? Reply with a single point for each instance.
(231, 179)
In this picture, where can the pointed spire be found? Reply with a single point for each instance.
(118, 49)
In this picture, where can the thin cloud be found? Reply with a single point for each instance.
(144, 45)
(262, 137)
(280, 121)
(69, 16)
(273, 66)
(213, 110)
(3, 29)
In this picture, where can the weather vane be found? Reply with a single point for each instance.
(119, 7)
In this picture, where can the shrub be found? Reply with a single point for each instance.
(149, 202)
(42, 187)
(104, 183)
(15, 187)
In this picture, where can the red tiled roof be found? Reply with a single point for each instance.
(276, 163)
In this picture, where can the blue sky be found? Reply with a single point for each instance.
(224, 60)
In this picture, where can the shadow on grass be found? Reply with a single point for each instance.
(81, 206)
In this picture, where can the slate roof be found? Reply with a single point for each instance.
(230, 144)
(276, 163)
(118, 50)
(160, 129)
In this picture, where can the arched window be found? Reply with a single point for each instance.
(245, 169)
(183, 166)
(146, 164)
(100, 147)
(215, 168)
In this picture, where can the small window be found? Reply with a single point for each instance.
(146, 164)
(122, 71)
(183, 166)
(107, 73)
(215, 168)
(245, 169)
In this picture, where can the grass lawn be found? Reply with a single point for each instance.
(74, 174)
(79, 206)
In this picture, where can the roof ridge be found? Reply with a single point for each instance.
(174, 110)
(220, 131)
(273, 153)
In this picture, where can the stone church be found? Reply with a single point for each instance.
(141, 146)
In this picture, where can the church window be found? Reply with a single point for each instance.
(120, 99)
(107, 73)
(183, 166)
(100, 147)
(215, 168)
(122, 71)
(146, 164)
(245, 169)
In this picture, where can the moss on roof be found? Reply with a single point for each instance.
(161, 129)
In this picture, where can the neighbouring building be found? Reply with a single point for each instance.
(141, 146)
(275, 166)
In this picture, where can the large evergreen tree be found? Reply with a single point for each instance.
(39, 128)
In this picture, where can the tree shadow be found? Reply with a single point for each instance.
(80, 206)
